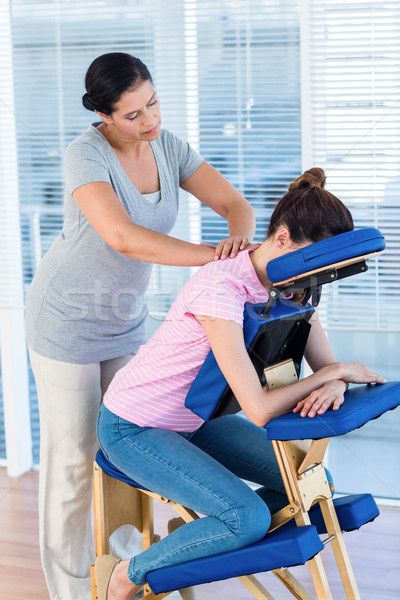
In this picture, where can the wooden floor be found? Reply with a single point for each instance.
(374, 552)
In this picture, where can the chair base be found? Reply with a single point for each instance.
(352, 512)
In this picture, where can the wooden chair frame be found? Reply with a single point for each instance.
(301, 464)
(305, 480)
(117, 503)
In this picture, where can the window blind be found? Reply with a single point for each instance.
(227, 74)
(354, 50)
(249, 101)
(2, 430)
(351, 127)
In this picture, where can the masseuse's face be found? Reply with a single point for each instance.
(137, 114)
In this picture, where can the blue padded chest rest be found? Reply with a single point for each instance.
(209, 386)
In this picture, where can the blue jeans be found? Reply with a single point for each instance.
(203, 471)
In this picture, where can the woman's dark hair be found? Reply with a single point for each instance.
(109, 76)
(310, 212)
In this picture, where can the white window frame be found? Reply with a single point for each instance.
(14, 363)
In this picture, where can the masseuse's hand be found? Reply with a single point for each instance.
(231, 246)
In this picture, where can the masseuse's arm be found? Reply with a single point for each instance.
(104, 211)
(212, 189)
(238, 370)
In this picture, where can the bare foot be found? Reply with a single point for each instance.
(120, 586)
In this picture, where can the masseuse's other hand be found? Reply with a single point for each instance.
(231, 246)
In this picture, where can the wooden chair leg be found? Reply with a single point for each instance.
(93, 583)
(316, 566)
(147, 521)
(115, 503)
(339, 550)
(319, 578)
(256, 588)
(100, 512)
(292, 584)
(189, 593)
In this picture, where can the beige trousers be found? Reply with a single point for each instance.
(69, 397)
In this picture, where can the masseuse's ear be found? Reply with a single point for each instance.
(106, 118)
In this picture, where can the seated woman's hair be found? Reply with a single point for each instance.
(310, 212)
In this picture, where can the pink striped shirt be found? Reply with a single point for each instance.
(151, 389)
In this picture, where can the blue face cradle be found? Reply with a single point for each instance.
(304, 271)
(326, 252)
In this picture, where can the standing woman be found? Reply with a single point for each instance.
(85, 307)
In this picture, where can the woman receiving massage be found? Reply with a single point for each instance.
(146, 431)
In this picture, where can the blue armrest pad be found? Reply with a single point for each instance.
(326, 252)
(275, 550)
(362, 404)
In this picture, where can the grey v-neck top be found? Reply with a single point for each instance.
(86, 301)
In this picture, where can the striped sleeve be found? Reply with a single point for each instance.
(216, 297)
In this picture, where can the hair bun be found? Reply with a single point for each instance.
(87, 103)
(314, 177)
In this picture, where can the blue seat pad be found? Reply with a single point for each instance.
(326, 252)
(275, 550)
(361, 404)
(109, 468)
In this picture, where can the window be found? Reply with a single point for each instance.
(228, 77)
(352, 126)
(2, 431)
(228, 74)
(249, 102)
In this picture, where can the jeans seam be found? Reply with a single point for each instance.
(110, 443)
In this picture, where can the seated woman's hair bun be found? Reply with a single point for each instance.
(87, 103)
(310, 212)
(314, 177)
